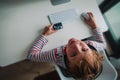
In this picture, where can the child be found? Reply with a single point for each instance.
(80, 58)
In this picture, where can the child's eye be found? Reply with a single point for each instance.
(74, 54)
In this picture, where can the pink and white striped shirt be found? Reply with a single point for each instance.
(57, 55)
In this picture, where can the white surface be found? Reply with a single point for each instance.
(99, 1)
(108, 72)
(21, 21)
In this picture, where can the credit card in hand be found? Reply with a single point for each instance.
(57, 26)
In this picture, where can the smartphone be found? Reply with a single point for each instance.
(57, 26)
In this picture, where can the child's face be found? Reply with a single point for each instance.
(77, 49)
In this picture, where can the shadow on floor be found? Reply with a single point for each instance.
(49, 76)
(27, 70)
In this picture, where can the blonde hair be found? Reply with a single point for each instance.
(85, 70)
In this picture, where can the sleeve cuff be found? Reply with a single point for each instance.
(98, 28)
(43, 39)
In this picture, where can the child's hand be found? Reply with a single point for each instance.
(91, 21)
(48, 30)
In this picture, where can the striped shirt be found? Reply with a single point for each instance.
(56, 55)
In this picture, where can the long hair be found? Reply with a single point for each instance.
(85, 70)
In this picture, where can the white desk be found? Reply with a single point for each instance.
(22, 21)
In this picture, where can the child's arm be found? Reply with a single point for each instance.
(98, 37)
(36, 53)
(99, 40)
(54, 55)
